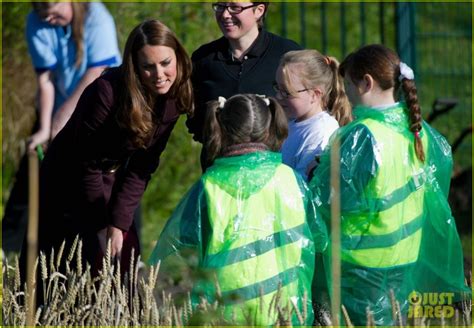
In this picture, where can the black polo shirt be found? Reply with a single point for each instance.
(216, 73)
(237, 67)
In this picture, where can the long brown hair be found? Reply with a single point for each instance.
(244, 118)
(135, 105)
(79, 14)
(383, 64)
(319, 70)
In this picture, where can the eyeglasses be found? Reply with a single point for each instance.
(232, 9)
(285, 94)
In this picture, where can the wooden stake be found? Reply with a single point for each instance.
(336, 232)
(32, 235)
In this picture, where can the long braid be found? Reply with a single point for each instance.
(384, 65)
(411, 98)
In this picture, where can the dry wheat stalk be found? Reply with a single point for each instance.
(347, 319)
(370, 318)
(399, 314)
(17, 280)
(78, 299)
(298, 313)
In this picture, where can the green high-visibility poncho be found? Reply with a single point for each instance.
(397, 231)
(252, 222)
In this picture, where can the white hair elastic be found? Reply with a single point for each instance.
(265, 99)
(221, 101)
(406, 72)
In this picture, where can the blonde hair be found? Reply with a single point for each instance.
(319, 71)
(79, 15)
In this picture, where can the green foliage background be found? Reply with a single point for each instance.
(194, 24)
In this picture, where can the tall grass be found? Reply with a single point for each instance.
(74, 297)
(195, 25)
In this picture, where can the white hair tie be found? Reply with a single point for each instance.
(221, 101)
(265, 99)
(405, 72)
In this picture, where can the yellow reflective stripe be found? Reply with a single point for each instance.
(259, 268)
(390, 142)
(415, 183)
(377, 241)
(256, 220)
(391, 220)
(238, 224)
(387, 221)
(261, 246)
(250, 309)
(389, 193)
(404, 252)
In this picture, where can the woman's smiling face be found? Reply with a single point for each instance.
(157, 68)
(236, 26)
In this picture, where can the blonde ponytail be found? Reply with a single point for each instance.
(338, 103)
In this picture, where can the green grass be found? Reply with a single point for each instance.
(195, 25)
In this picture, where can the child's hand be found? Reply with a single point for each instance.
(39, 138)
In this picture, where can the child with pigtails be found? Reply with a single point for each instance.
(250, 219)
(397, 231)
(311, 92)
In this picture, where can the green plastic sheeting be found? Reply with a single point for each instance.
(397, 231)
(251, 222)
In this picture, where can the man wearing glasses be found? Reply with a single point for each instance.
(244, 60)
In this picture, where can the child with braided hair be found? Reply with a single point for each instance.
(397, 231)
(250, 219)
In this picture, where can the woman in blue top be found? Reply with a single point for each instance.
(70, 44)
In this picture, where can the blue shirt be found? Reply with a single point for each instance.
(52, 48)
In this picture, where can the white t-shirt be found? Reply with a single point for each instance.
(307, 139)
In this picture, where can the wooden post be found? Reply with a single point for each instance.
(32, 235)
(336, 233)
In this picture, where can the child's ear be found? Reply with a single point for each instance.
(367, 83)
(317, 94)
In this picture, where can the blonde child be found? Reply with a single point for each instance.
(397, 232)
(250, 218)
(312, 94)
